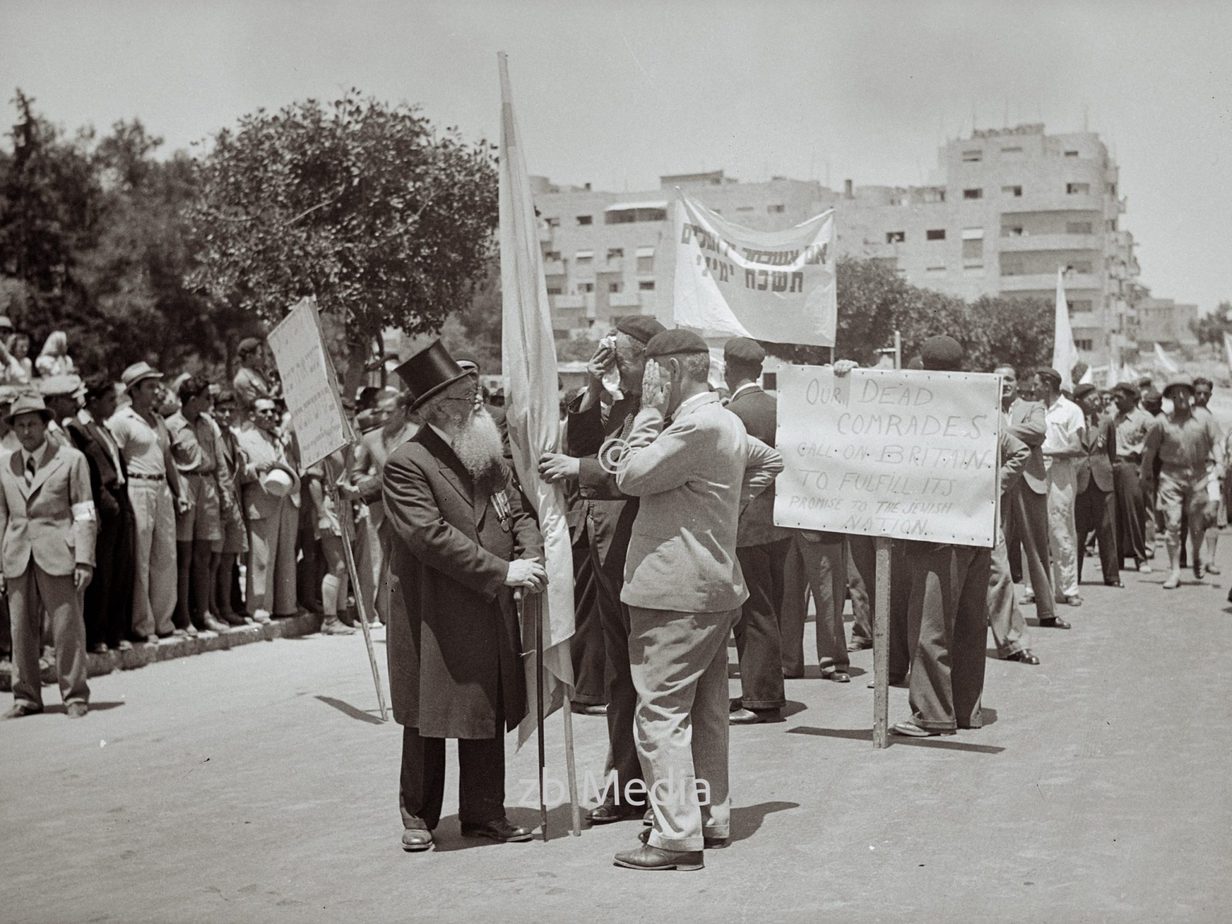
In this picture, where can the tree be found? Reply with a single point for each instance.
(1210, 328)
(386, 221)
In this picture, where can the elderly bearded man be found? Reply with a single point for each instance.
(684, 589)
(461, 543)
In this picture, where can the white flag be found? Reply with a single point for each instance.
(532, 404)
(1064, 353)
(1164, 361)
(1227, 348)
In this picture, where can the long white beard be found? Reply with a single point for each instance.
(478, 447)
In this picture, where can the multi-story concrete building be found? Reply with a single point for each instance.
(1006, 209)
(1163, 321)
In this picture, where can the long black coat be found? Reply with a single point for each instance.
(453, 639)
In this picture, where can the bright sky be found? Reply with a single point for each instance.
(618, 92)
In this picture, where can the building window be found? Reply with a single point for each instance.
(1012, 150)
(615, 253)
(1077, 189)
(1013, 231)
(776, 209)
(1014, 192)
(616, 287)
(935, 270)
(1082, 266)
(551, 256)
(554, 222)
(1079, 227)
(1112, 189)
(935, 234)
(623, 216)
(1084, 344)
(1071, 153)
(645, 260)
(586, 287)
(896, 237)
(554, 290)
(744, 208)
(973, 194)
(972, 157)
(585, 219)
(583, 258)
(646, 285)
(973, 246)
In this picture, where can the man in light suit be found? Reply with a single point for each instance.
(272, 514)
(1027, 523)
(683, 588)
(47, 525)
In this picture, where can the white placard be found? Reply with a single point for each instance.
(887, 452)
(309, 384)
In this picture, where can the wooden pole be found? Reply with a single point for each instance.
(570, 765)
(538, 617)
(881, 645)
(344, 518)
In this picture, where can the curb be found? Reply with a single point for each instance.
(178, 647)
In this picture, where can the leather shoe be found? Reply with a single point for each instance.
(589, 709)
(215, 625)
(655, 858)
(77, 710)
(1116, 583)
(894, 680)
(608, 812)
(1070, 600)
(1055, 623)
(499, 830)
(859, 644)
(21, 710)
(754, 716)
(911, 730)
(836, 676)
(416, 839)
(1211, 569)
(1024, 656)
(710, 843)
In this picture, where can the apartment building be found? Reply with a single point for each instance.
(1005, 210)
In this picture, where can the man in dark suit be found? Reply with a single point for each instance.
(461, 544)
(1095, 510)
(761, 547)
(108, 601)
(1027, 524)
(599, 421)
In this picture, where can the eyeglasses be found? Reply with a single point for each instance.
(267, 410)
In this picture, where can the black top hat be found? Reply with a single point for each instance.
(429, 372)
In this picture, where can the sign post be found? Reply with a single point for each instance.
(310, 388)
(894, 455)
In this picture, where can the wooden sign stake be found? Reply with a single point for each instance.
(881, 645)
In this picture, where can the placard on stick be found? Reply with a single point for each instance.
(309, 383)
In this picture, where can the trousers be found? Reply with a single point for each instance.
(678, 662)
(1009, 628)
(1095, 512)
(1131, 513)
(824, 567)
(29, 594)
(108, 607)
(586, 646)
(1062, 530)
(862, 585)
(481, 779)
(758, 643)
(271, 561)
(154, 576)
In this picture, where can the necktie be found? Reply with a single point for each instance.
(30, 467)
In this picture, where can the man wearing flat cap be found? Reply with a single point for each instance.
(1064, 425)
(1186, 445)
(155, 492)
(683, 587)
(1094, 501)
(462, 543)
(597, 424)
(47, 533)
(61, 395)
(761, 547)
(1132, 424)
(949, 600)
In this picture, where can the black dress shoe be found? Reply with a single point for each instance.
(609, 812)
(1116, 583)
(1055, 623)
(21, 710)
(1023, 657)
(654, 858)
(416, 839)
(589, 709)
(499, 830)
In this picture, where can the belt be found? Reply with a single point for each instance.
(199, 473)
(137, 475)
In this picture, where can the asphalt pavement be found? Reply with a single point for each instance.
(258, 784)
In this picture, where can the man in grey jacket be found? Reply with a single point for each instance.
(684, 588)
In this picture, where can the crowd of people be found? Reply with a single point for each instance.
(185, 503)
(165, 493)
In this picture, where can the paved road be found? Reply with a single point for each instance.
(256, 785)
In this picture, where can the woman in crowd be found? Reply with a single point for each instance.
(54, 358)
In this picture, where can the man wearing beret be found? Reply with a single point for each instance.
(1095, 503)
(683, 588)
(1132, 423)
(47, 533)
(1186, 446)
(948, 609)
(761, 547)
(1063, 429)
(598, 423)
(461, 544)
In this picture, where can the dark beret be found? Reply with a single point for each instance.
(941, 353)
(640, 327)
(1081, 391)
(743, 350)
(248, 344)
(675, 341)
(1126, 388)
(1050, 374)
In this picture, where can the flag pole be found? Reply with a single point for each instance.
(570, 764)
(543, 809)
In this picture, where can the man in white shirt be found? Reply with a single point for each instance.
(1063, 429)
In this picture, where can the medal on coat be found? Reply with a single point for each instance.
(504, 513)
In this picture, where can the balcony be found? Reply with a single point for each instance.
(1032, 242)
(1047, 282)
(553, 267)
(566, 302)
(622, 300)
(1059, 201)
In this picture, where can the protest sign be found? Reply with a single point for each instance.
(309, 384)
(890, 453)
(776, 286)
